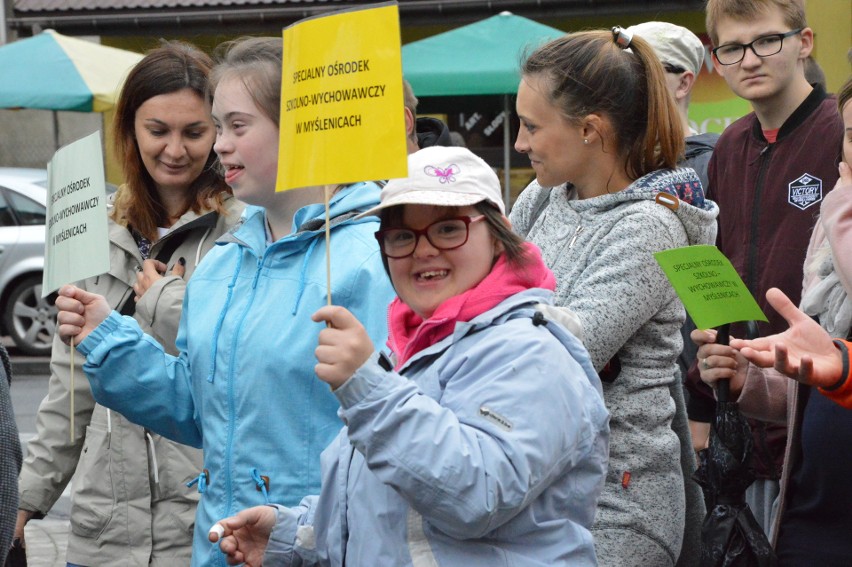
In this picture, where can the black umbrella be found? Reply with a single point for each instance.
(730, 536)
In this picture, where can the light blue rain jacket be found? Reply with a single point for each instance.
(243, 387)
(489, 450)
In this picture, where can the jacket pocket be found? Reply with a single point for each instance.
(177, 465)
(92, 500)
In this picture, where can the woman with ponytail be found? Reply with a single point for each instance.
(603, 137)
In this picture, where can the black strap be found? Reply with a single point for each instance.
(164, 255)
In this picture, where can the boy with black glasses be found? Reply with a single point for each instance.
(769, 172)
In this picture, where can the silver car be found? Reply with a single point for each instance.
(27, 318)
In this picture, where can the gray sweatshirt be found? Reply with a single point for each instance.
(601, 252)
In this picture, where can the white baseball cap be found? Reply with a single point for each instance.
(443, 176)
(673, 44)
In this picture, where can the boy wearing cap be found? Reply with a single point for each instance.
(769, 173)
(682, 55)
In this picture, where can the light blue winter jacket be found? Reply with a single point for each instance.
(489, 449)
(243, 387)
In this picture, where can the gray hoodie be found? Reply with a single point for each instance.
(601, 252)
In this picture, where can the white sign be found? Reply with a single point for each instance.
(76, 238)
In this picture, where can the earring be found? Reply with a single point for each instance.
(586, 141)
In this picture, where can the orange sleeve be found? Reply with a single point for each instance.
(841, 392)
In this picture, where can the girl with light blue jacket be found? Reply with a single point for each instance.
(243, 385)
(484, 442)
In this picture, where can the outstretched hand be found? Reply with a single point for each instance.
(343, 347)
(79, 313)
(804, 352)
(244, 537)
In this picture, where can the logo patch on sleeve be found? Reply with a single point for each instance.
(804, 191)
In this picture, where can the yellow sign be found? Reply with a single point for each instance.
(342, 118)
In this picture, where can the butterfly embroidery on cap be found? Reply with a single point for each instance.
(446, 175)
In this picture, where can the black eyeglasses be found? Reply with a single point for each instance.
(764, 46)
(446, 234)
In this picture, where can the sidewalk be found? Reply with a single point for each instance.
(46, 542)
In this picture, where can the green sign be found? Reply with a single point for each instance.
(709, 286)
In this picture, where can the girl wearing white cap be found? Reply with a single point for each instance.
(484, 442)
(603, 136)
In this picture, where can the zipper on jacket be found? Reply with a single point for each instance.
(229, 447)
(751, 262)
(257, 273)
(574, 238)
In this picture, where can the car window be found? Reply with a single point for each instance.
(28, 211)
(6, 216)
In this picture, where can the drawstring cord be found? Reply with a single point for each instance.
(260, 482)
(200, 245)
(153, 457)
(200, 480)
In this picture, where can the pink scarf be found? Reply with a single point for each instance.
(409, 333)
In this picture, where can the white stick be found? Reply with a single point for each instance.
(72, 390)
(217, 529)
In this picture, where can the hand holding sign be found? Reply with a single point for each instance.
(80, 312)
(719, 361)
(714, 295)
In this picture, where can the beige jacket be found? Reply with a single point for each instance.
(129, 503)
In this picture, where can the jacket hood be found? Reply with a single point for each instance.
(344, 206)
(347, 202)
(432, 132)
(696, 214)
(700, 143)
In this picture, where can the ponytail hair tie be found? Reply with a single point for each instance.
(621, 37)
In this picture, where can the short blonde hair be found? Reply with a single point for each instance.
(745, 10)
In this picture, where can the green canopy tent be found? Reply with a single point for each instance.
(482, 58)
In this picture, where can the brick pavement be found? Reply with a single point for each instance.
(46, 542)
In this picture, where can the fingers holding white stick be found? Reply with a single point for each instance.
(243, 537)
(79, 312)
(216, 532)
